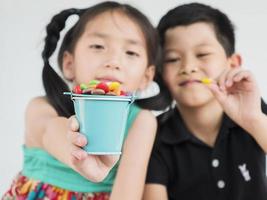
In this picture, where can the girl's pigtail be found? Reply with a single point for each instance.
(53, 84)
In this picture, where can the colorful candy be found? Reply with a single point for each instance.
(103, 86)
(99, 88)
(77, 89)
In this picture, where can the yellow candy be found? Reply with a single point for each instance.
(206, 81)
(115, 87)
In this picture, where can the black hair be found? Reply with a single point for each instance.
(54, 85)
(191, 13)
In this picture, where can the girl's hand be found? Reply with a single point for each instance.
(92, 167)
(237, 92)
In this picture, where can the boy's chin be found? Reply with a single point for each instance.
(195, 101)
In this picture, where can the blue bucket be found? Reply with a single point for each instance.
(102, 120)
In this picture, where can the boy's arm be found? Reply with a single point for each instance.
(130, 179)
(258, 129)
(239, 95)
(155, 192)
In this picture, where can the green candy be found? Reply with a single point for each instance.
(93, 82)
(83, 86)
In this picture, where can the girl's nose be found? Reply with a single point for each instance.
(113, 61)
(112, 65)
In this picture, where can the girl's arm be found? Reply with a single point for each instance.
(155, 192)
(130, 179)
(48, 131)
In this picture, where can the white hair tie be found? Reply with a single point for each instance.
(151, 90)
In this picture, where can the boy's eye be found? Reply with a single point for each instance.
(171, 60)
(96, 46)
(200, 55)
(132, 53)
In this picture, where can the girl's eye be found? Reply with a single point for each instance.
(132, 53)
(171, 60)
(96, 46)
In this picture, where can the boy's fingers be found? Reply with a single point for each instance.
(230, 75)
(242, 75)
(217, 92)
(221, 79)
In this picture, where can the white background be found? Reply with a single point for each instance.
(22, 29)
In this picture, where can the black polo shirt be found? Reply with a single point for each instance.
(234, 169)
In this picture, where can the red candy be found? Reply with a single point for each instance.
(123, 93)
(102, 86)
(77, 89)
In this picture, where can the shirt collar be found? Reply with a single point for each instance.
(174, 130)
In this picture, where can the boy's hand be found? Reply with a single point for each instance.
(92, 167)
(237, 92)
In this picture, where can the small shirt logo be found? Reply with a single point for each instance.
(244, 171)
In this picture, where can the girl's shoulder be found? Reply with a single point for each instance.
(145, 120)
(37, 113)
(147, 115)
(141, 115)
(39, 107)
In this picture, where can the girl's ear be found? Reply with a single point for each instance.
(148, 77)
(235, 61)
(68, 66)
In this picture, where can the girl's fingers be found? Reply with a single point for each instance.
(73, 123)
(109, 160)
(77, 138)
(78, 153)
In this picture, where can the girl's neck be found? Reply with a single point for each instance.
(204, 121)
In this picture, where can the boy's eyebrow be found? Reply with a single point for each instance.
(203, 44)
(169, 50)
(103, 36)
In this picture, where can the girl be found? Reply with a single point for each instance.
(111, 42)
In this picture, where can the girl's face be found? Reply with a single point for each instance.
(112, 48)
(191, 53)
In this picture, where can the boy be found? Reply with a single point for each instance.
(212, 145)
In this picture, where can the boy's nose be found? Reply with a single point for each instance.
(188, 68)
(186, 71)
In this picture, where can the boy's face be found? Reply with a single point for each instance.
(191, 53)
